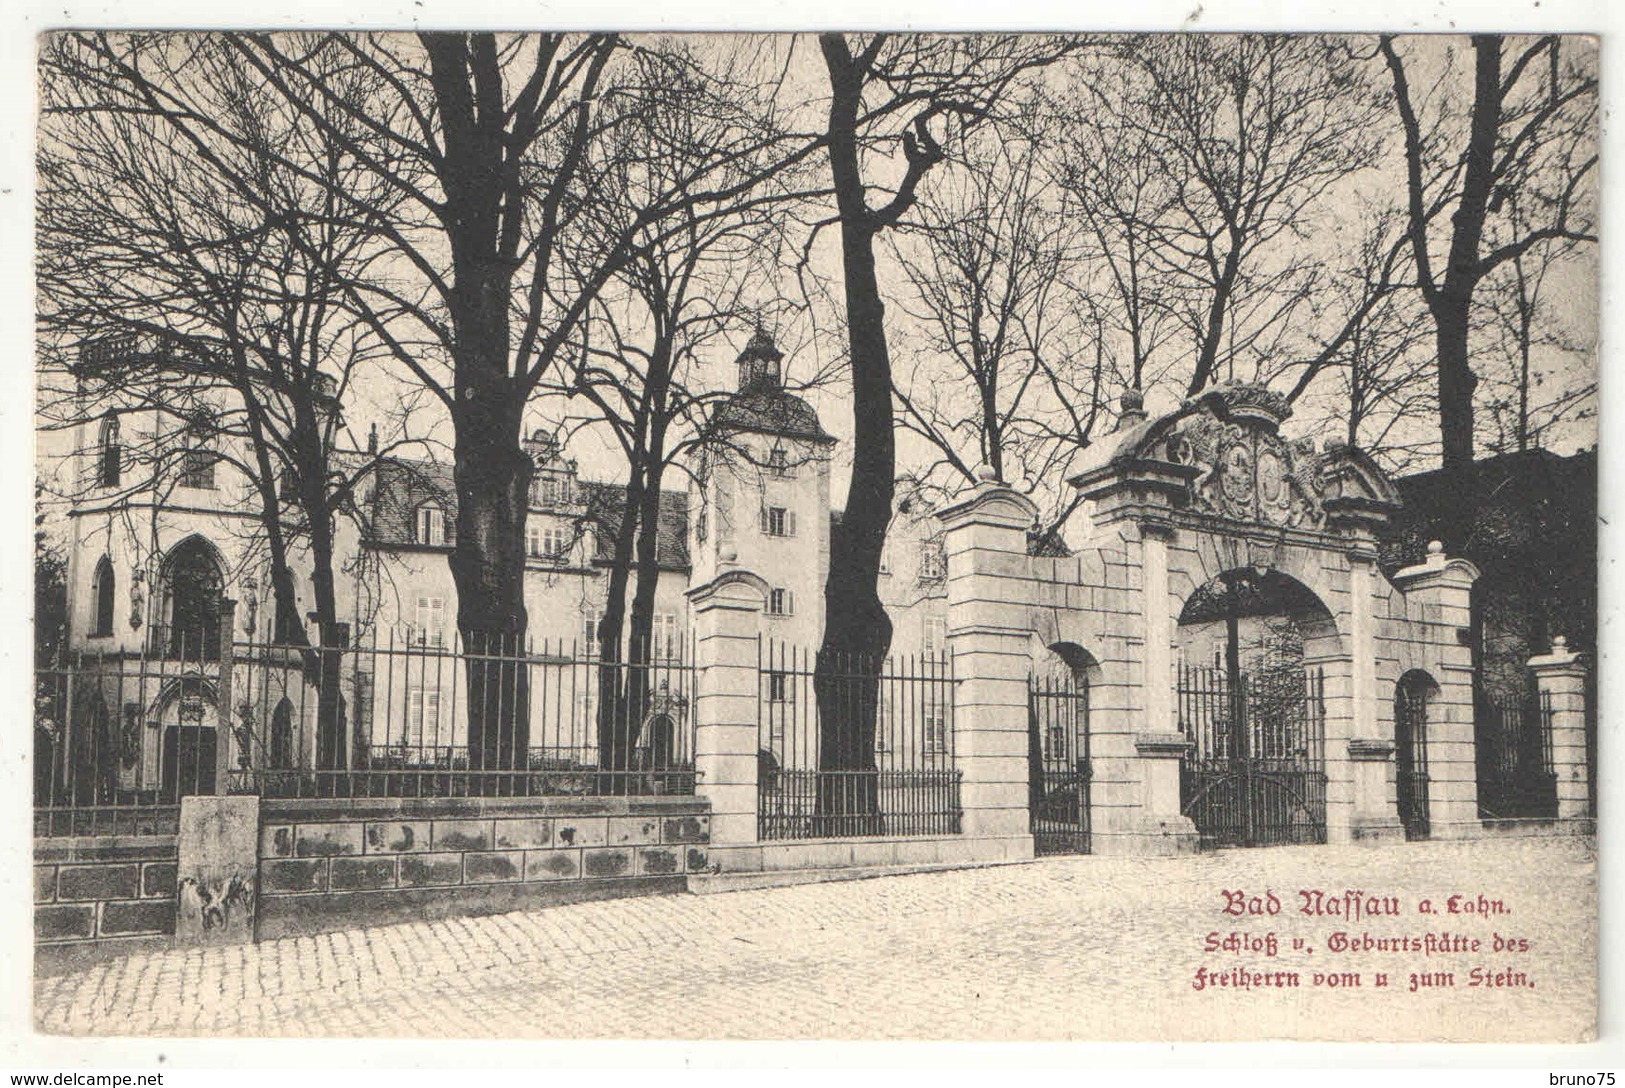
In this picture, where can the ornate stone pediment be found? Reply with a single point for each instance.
(1221, 453)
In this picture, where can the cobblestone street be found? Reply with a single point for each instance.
(1075, 948)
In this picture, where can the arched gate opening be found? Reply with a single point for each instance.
(1060, 771)
(1252, 702)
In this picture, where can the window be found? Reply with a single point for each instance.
(102, 587)
(431, 524)
(933, 561)
(778, 463)
(777, 521)
(935, 642)
(422, 716)
(551, 542)
(589, 631)
(551, 490)
(197, 468)
(934, 718)
(780, 602)
(109, 460)
(780, 688)
(663, 632)
(431, 622)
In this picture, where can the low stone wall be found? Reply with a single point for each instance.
(333, 864)
(104, 888)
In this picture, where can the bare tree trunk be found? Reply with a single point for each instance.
(857, 630)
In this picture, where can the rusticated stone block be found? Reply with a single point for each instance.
(422, 870)
(686, 829)
(327, 840)
(294, 875)
(633, 830)
(697, 860)
(552, 864)
(580, 831)
(64, 923)
(158, 880)
(129, 919)
(361, 874)
(606, 863)
(80, 882)
(493, 867)
(462, 835)
(398, 838)
(658, 860)
(276, 841)
(44, 883)
(527, 834)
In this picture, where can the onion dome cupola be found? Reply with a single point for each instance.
(761, 404)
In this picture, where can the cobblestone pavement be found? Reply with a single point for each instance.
(1074, 948)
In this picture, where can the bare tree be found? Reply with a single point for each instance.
(890, 97)
(204, 281)
(1527, 127)
(1203, 163)
(1524, 403)
(1001, 371)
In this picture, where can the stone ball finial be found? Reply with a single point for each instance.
(728, 556)
(1560, 644)
(1435, 547)
(985, 475)
(1132, 400)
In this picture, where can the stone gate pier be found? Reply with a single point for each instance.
(1251, 676)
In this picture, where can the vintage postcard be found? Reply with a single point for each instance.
(831, 535)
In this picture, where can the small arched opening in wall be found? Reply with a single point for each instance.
(1413, 696)
(186, 713)
(1060, 767)
(1253, 645)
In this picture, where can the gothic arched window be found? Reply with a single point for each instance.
(102, 587)
(192, 587)
(109, 455)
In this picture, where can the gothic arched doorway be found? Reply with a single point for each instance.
(186, 720)
(1251, 696)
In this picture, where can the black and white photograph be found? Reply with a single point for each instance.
(835, 535)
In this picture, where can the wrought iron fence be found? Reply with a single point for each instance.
(1256, 772)
(865, 750)
(120, 737)
(1059, 766)
(1516, 779)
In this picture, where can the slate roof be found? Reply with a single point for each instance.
(400, 486)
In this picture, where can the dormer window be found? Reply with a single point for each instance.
(552, 490)
(431, 528)
(778, 463)
(110, 454)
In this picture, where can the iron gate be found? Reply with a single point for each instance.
(1411, 759)
(1058, 726)
(1256, 775)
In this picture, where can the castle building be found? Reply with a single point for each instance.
(167, 525)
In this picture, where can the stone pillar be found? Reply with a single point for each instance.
(1438, 604)
(1561, 676)
(225, 713)
(217, 870)
(990, 635)
(1376, 816)
(1157, 827)
(1361, 807)
(727, 624)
